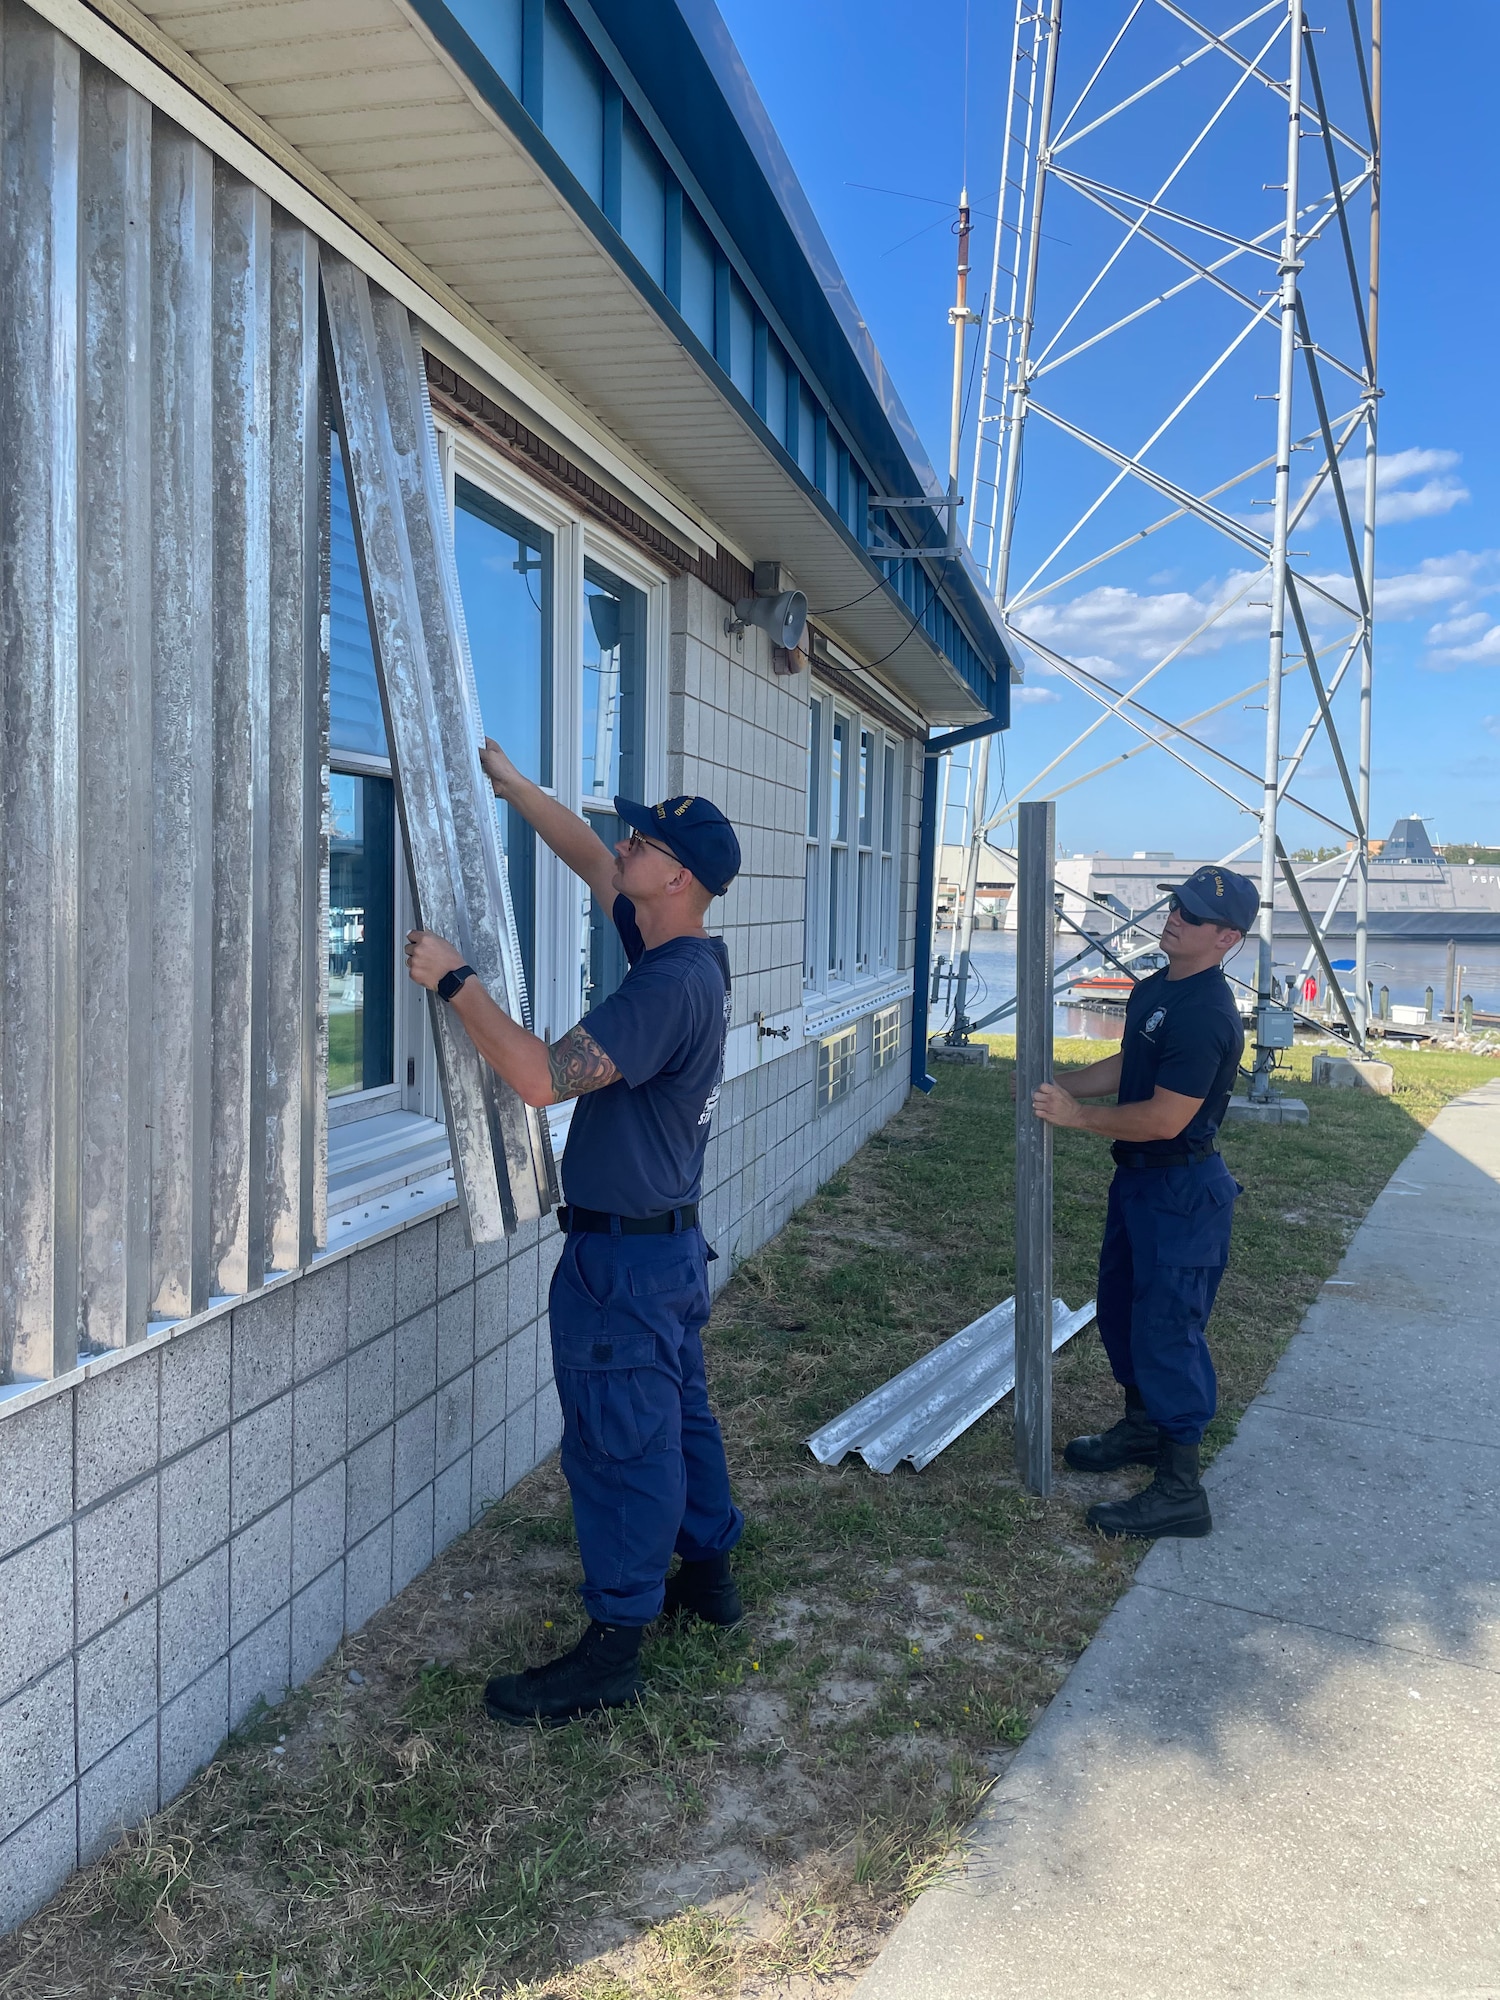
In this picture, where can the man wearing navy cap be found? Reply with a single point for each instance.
(1171, 1203)
(641, 1451)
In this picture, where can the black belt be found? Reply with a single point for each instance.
(1127, 1156)
(598, 1223)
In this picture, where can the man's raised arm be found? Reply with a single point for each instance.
(571, 839)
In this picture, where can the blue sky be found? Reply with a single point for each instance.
(871, 97)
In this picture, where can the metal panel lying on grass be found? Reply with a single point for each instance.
(502, 1157)
(919, 1412)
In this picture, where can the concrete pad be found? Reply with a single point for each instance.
(1334, 1525)
(1343, 1073)
(1280, 1111)
(1220, 1804)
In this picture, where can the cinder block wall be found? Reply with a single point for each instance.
(194, 1528)
(737, 733)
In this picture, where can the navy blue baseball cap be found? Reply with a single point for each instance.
(696, 832)
(1220, 896)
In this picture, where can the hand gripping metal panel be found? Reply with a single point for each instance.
(502, 1156)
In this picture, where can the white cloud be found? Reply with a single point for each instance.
(1454, 631)
(1453, 581)
(1111, 631)
(1033, 694)
(1396, 498)
(1140, 626)
(1481, 651)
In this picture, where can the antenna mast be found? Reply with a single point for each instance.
(1144, 308)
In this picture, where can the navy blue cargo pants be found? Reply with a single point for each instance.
(642, 1452)
(1166, 1242)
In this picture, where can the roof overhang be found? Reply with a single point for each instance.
(394, 119)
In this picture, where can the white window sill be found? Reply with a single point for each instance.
(376, 1156)
(823, 1012)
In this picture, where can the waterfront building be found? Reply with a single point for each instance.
(253, 1373)
(1415, 894)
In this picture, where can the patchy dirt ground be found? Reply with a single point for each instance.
(758, 1824)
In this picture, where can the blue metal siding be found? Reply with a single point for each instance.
(573, 98)
(495, 28)
(618, 166)
(643, 200)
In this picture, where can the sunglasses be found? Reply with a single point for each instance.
(1180, 909)
(637, 841)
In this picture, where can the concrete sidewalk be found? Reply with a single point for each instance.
(1276, 1770)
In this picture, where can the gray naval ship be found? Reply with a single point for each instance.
(1414, 893)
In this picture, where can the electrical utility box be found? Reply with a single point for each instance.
(1274, 1027)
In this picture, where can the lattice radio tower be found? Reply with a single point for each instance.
(1187, 254)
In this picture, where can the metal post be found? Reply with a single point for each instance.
(1034, 940)
(1450, 979)
(1367, 651)
(1291, 265)
(928, 849)
(959, 317)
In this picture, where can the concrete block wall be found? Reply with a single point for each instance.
(196, 1527)
(772, 1148)
(738, 735)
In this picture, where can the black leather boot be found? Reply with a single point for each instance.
(601, 1671)
(1132, 1441)
(1173, 1504)
(704, 1590)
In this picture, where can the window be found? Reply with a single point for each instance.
(361, 932)
(838, 848)
(854, 818)
(505, 578)
(836, 1066)
(812, 929)
(864, 892)
(614, 641)
(560, 635)
(384, 1115)
(886, 1042)
(889, 820)
(355, 720)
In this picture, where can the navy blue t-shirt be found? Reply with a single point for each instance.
(636, 1147)
(1186, 1035)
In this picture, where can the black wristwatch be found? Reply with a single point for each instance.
(450, 982)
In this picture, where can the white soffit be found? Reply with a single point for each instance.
(349, 116)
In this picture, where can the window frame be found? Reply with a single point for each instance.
(822, 981)
(577, 539)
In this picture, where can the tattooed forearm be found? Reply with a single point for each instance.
(577, 1064)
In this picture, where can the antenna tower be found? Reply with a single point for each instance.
(1174, 459)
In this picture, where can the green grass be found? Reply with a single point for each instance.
(788, 1787)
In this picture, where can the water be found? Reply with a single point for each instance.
(1407, 968)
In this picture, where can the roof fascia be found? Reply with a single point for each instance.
(969, 605)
